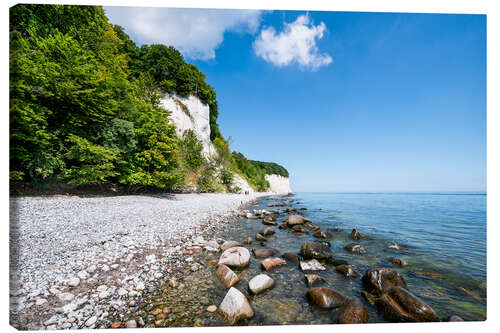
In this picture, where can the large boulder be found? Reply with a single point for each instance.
(295, 220)
(325, 298)
(260, 283)
(399, 305)
(235, 306)
(238, 257)
(379, 280)
(228, 245)
(315, 250)
(353, 312)
(226, 276)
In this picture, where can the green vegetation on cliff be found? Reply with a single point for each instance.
(85, 106)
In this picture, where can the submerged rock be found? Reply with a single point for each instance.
(311, 265)
(315, 250)
(269, 221)
(235, 307)
(346, 270)
(379, 280)
(269, 263)
(325, 298)
(248, 240)
(267, 231)
(295, 220)
(322, 234)
(455, 318)
(260, 283)
(291, 257)
(263, 253)
(226, 276)
(313, 279)
(335, 229)
(428, 275)
(355, 234)
(355, 248)
(399, 305)
(336, 262)
(398, 262)
(260, 238)
(353, 312)
(235, 257)
(228, 245)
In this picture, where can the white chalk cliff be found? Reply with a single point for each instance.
(191, 113)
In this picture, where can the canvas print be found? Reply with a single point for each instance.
(184, 167)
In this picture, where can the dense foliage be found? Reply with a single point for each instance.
(85, 108)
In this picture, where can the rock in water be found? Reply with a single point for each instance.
(346, 270)
(313, 279)
(322, 234)
(299, 229)
(269, 263)
(260, 283)
(311, 265)
(248, 240)
(295, 220)
(355, 248)
(379, 280)
(315, 250)
(235, 307)
(269, 221)
(325, 298)
(353, 312)
(238, 257)
(228, 245)
(455, 318)
(266, 231)
(263, 253)
(291, 257)
(398, 262)
(399, 305)
(355, 234)
(226, 276)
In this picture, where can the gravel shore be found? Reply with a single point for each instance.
(73, 260)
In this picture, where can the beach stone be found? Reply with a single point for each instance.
(173, 282)
(211, 246)
(399, 305)
(131, 324)
(311, 265)
(269, 221)
(91, 321)
(226, 276)
(269, 263)
(295, 220)
(212, 308)
(379, 280)
(228, 245)
(325, 298)
(299, 229)
(263, 253)
(248, 240)
(353, 312)
(313, 279)
(346, 270)
(260, 283)
(238, 257)
(398, 262)
(315, 250)
(322, 234)
(116, 324)
(73, 281)
(455, 318)
(40, 301)
(235, 307)
(192, 250)
(267, 231)
(355, 248)
(66, 297)
(290, 257)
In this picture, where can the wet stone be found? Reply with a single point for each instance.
(313, 279)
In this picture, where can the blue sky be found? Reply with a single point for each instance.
(345, 101)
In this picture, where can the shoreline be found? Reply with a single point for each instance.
(115, 257)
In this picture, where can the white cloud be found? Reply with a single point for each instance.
(194, 32)
(296, 43)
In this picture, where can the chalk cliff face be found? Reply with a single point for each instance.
(191, 113)
(278, 184)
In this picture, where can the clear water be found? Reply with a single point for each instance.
(445, 235)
